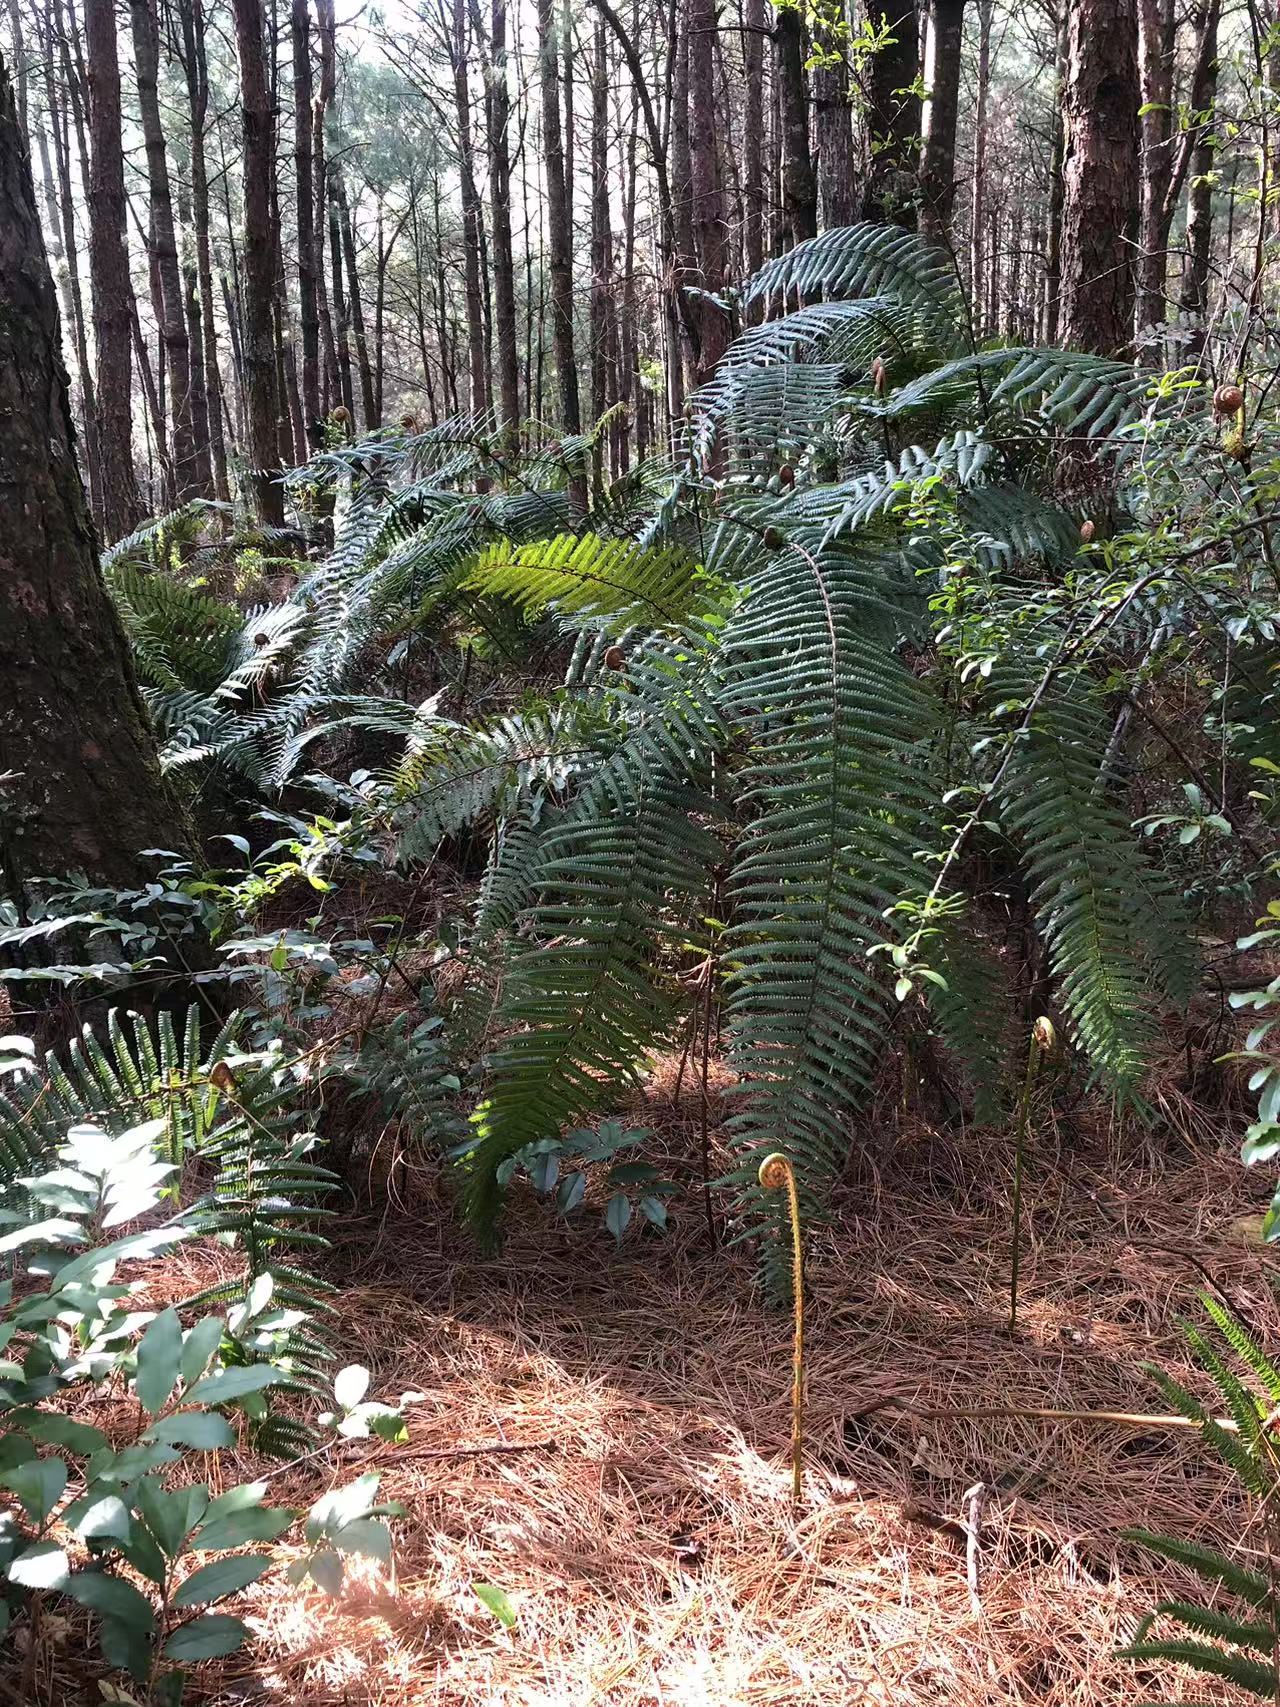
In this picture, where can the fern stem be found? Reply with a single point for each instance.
(1042, 1038)
(776, 1171)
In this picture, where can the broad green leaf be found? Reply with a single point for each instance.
(498, 1603)
(199, 1346)
(56, 1430)
(365, 1536)
(327, 1570)
(222, 1577)
(38, 1484)
(126, 1646)
(227, 1384)
(204, 1430)
(617, 1214)
(350, 1386)
(159, 1360)
(340, 1506)
(206, 1638)
(257, 1523)
(42, 1566)
(104, 1517)
(114, 1597)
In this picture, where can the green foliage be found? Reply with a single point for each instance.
(1224, 1637)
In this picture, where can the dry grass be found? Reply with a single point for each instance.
(648, 1541)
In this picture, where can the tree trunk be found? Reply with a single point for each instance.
(560, 238)
(753, 133)
(711, 234)
(308, 262)
(481, 388)
(893, 113)
(799, 182)
(1100, 213)
(497, 116)
(938, 153)
(355, 305)
(1193, 305)
(1156, 32)
(164, 249)
(978, 207)
(1053, 245)
(82, 787)
(111, 286)
(261, 399)
(837, 175)
(601, 237)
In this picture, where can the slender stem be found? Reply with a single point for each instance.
(776, 1171)
(1041, 1039)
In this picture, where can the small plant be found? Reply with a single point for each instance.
(133, 1504)
(777, 1174)
(1237, 1637)
(560, 1166)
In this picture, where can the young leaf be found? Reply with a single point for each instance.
(42, 1566)
(227, 1384)
(350, 1386)
(159, 1360)
(222, 1577)
(498, 1604)
(617, 1214)
(206, 1638)
(199, 1346)
(38, 1484)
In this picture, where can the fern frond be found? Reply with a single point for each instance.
(1251, 1586)
(867, 260)
(593, 577)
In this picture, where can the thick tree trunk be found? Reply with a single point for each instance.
(261, 399)
(111, 286)
(1100, 214)
(833, 120)
(560, 236)
(893, 114)
(602, 317)
(938, 152)
(799, 181)
(82, 788)
(164, 251)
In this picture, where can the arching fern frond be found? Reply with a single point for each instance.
(592, 577)
(868, 260)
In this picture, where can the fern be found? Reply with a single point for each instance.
(1250, 1455)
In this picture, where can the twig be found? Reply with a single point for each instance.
(975, 1500)
(1030, 1413)
(402, 1456)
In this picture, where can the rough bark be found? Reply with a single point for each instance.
(1100, 213)
(110, 284)
(262, 403)
(799, 181)
(195, 65)
(711, 236)
(1193, 304)
(81, 786)
(1053, 242)
(1156, 29)
(497, 119)
(163, 244)
(893, 114)
(559, 233)
(308, 259)
(938, 148)
(978, 206)
(472, 215)
(833, 121)
(753, 133)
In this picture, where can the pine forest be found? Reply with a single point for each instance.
(639, 853)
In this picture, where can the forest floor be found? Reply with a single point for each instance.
(645, 1533)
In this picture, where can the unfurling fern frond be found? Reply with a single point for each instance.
(835, 722)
